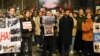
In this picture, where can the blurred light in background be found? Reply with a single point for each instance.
(50, 3)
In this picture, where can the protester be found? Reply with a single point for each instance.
(48, 43)
(65, 33)
(87, 36)
(78, 40)
(26, 45)
(38, 37)
(10, 14)
(67, 26)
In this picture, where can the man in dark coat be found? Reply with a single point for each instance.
(65, 32)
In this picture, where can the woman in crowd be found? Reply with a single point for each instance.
(48, 44)
(38, 37)
(87, 36)
(27, 33)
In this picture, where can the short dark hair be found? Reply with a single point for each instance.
(81, 9)
(25, 11)
(11, 8)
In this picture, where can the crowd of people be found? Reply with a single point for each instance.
(69, 25)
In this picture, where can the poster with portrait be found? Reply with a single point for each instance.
(10, 36)
(48, 23)
(96, 32)
(49, 30)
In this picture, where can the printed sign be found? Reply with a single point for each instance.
(48, 20)
(10, 35)
(27, 25)
(49, 30)
(96, 31)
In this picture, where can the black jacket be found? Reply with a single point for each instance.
(65, 29)
(26, 31)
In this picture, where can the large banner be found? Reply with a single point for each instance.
(10, 35)
(48, 23)
(96, 31)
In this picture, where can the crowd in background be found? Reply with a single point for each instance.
(69, 25)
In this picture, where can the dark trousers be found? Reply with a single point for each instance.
(54, 45)
(26, 45)
(96, 54)
(65, 49)
(10, 54)
(78, 43)
(48, 46)
(38, 39)
(88, 48)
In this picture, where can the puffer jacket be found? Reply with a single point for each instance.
(87, 28)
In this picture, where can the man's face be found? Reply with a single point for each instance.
(67, 12)
(81, 12)
(12, 11)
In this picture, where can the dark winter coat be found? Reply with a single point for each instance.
(65, 29)
(26, 32)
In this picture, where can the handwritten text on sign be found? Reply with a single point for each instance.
(27, 25)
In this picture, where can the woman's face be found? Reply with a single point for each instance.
(75, 15)
(89, 16)
(27, 14)
(49, 13)
(40, 13)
